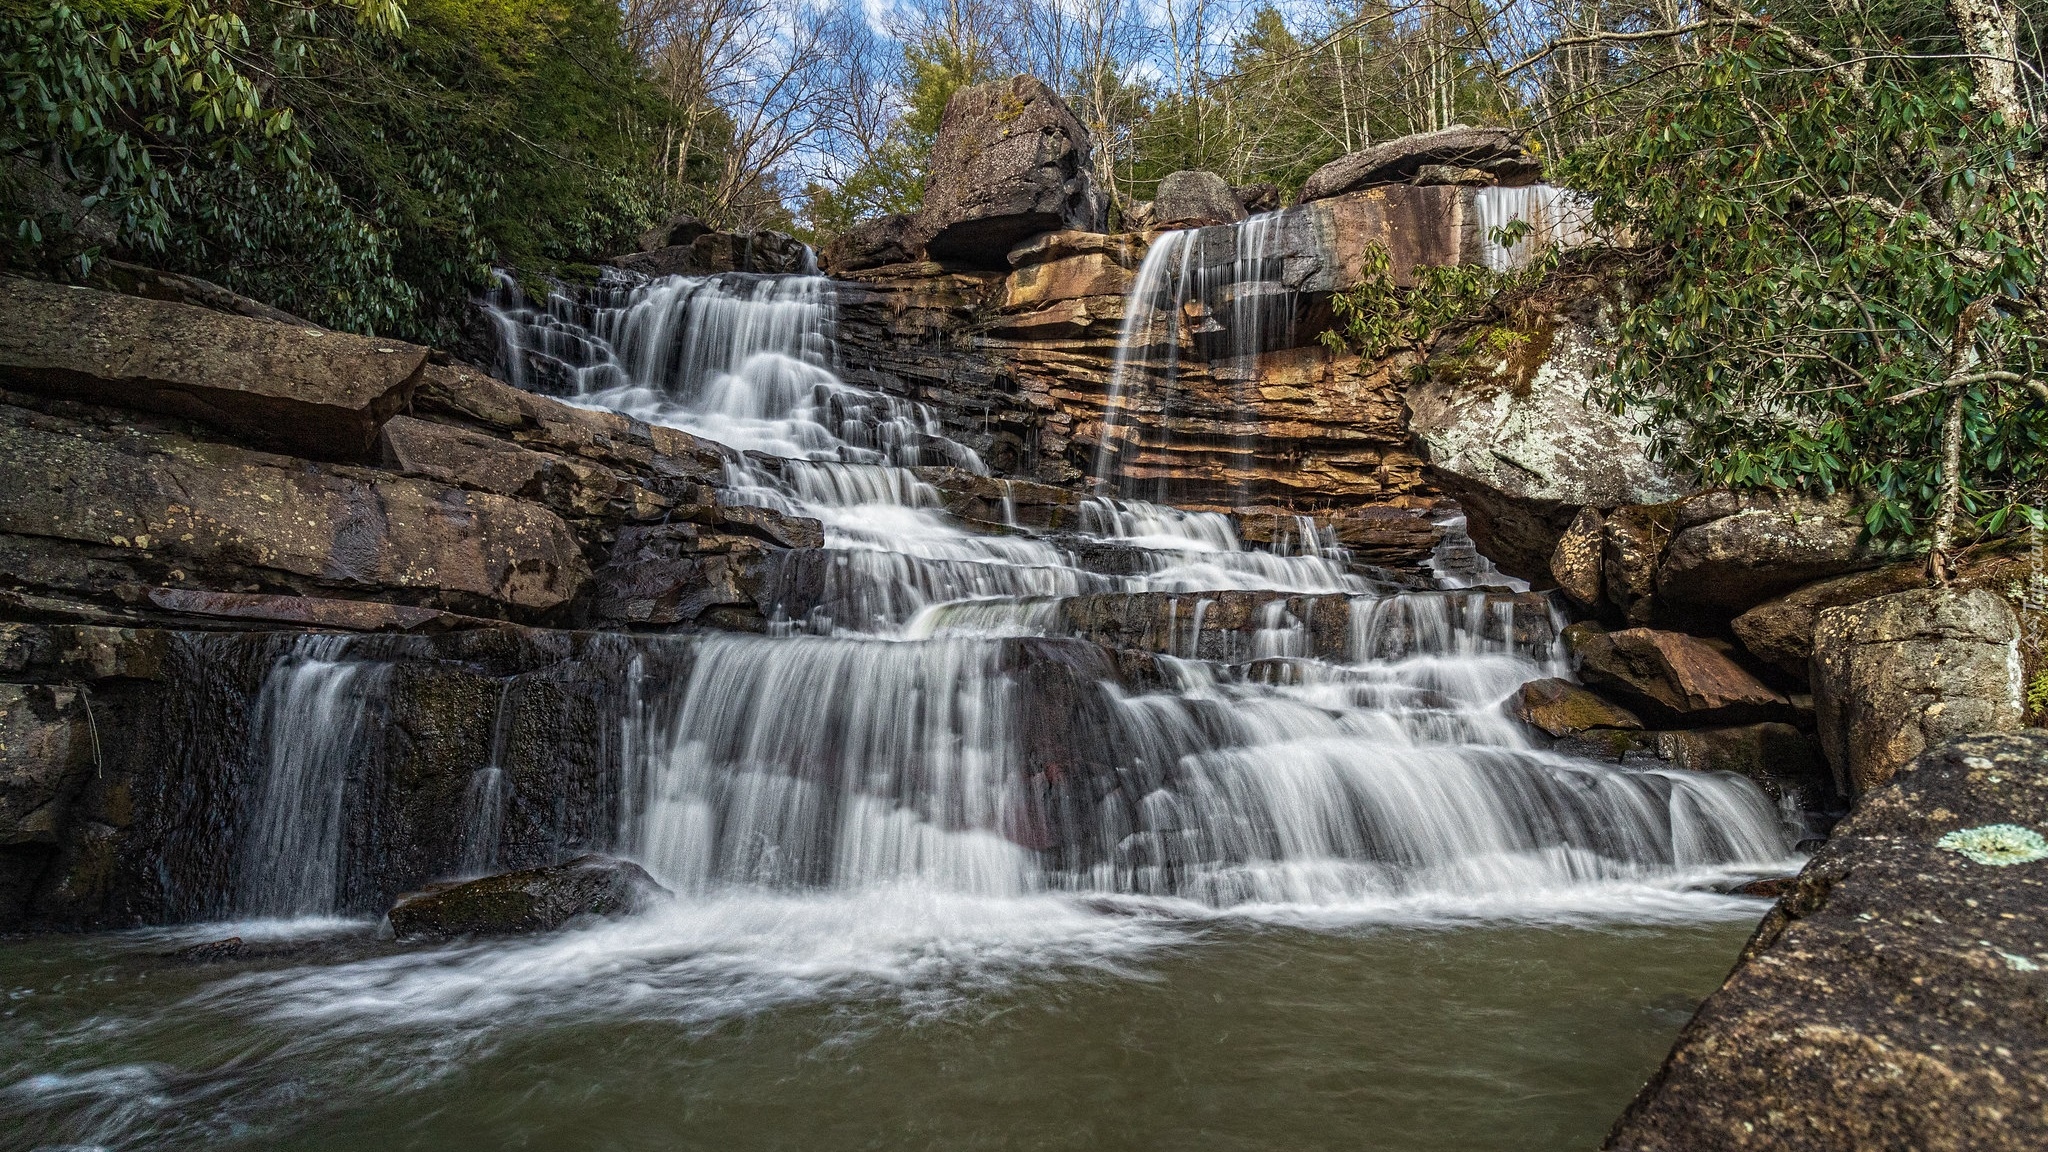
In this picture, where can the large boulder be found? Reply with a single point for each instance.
(1671, 674)
(873, 244)
(1892, 998)
(1010, 161)
(1194, 199)
(1780, 632)
(1730, 552)
(1496, 151)
(1895, 675)
(300, 389)
(1509, 433)
(529, 900)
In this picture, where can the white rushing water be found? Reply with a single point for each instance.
(929, 783)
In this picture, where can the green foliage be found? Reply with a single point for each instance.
(1819, 242)
(1377, 317)
(348, 160)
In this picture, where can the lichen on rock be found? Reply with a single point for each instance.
(1998, 845)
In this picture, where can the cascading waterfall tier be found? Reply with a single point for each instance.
(951, 723)
(1220, 293)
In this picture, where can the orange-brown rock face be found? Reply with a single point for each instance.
(1021, 366)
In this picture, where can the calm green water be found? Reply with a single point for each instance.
(1038, 1025)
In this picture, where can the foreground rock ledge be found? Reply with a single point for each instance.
(1897, 997)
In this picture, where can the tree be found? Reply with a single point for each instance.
(1845, 223)
(357, 162)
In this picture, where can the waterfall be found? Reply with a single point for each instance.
(1555, 217)
(1216, 291)
(310, 715)
(484, 798)
(948, 721)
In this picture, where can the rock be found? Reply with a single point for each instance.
(1010, 161)
(1451, 174)
(709, 253)
(1770, 889)
(873, 244)
(1780, 632)
(1895, 675)
(1670, 674)
(1891, 998)
(1263, 197)
(679, 230)
(1073, 277)
(1782, 760)
(454, 455)
(1635, 539)
(301, 389)
(166, 503)
(1562, 708)
(529, 900)
(659, 455)
(1509, 434)
(1398, 161)
(46, 748)
(1731, 553)
(309, 611)
(178, 288)
(1194, 199)
(1577, 562)
(151, 831)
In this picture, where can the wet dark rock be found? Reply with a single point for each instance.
(212, 951)
(1892, 997)
(529, 900)
(1562, 708)
(1782, 760)
(1770, 889)
(150, 823)
(302, 389)
(1399, 161)
(1671, 674)
(873, 244)
(1895, 675)
(1010, 161)
(1194, 199)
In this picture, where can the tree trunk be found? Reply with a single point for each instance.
(1990, 33)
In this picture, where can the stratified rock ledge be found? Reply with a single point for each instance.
(1897, 997)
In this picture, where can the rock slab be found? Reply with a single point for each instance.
(1895, 675)
(1893, 998)
(304, 390)
(529, 900)
(1670, 674)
